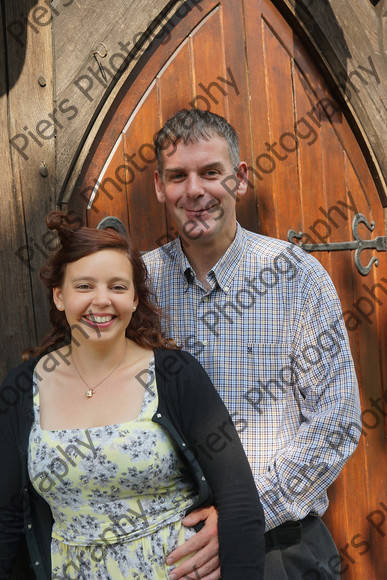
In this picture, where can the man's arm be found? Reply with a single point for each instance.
(203, 548)
(325, 386)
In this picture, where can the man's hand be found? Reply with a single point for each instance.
(204, 564)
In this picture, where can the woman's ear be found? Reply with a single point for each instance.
(57, 298)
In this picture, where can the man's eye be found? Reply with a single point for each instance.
(177, 176)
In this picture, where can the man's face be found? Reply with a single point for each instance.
(191, 187)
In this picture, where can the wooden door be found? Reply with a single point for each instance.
(307, 173)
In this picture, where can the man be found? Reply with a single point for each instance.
(264, 320)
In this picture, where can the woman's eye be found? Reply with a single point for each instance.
(119, 288)
(83, 287)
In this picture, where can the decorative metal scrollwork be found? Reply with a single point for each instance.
(113, 223)
(379, 244)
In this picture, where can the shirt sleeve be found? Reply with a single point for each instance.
(11, 500)
(210, 433)
(325, 385)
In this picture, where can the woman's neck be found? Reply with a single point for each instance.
(92, 358)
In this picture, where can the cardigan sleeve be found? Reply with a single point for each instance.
(209, 431)
(11, 493)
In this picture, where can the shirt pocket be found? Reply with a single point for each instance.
(270, 375)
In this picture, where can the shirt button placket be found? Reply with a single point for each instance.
(201, 328)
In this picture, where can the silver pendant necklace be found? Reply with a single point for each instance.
(90, 391)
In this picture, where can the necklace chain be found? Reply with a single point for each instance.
(90, 391)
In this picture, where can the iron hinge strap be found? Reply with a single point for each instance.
(379, 244)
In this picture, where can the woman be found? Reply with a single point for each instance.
(111, 435)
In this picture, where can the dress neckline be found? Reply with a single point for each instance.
(149, 396)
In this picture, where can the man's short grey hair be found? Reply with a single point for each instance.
(192, 125)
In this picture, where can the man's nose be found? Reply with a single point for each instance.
(194, 186)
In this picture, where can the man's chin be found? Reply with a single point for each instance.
(198, 232)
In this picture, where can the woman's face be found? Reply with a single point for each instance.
(98, 295)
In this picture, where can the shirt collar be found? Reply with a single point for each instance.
(224, 270)
(228, 264)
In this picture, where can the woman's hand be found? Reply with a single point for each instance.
(204, 563)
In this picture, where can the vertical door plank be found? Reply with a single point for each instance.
(343, 519)
(372, 443)
(312, 183)
(208, 64)
(31, 127)
(238, 102)
(175, 83)
(15, 274)
(110, 196)
(341, 274)
(259, 115)
(177, 73)
(286, 183)
(146, 215)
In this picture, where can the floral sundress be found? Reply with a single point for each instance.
(117, 493)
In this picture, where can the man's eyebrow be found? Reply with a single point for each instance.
(173, 169)
(212, 165)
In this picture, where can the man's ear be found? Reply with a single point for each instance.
(242, 176)
(160, 188)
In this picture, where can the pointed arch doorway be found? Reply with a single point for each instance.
(307, 173)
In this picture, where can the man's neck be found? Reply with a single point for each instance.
(203, 257)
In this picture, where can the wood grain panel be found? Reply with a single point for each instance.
(178, 74)
(80, 29)
(239, 101)
(210, 93)
(110, 194)
(370, 473)
(312, 192)
(127, 98)
(278, 71)
(339, 520)
(262, 183)
(146, 217)
(30, 126)
(14, 275)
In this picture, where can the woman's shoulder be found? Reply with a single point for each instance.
(23, 373)
(179, 372)
(174, 353)
(56, 360)
(174, 361)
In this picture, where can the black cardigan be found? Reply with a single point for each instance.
(192, 412)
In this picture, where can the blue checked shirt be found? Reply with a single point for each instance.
(270, 334)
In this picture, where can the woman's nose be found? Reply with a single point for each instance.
(101, 297)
